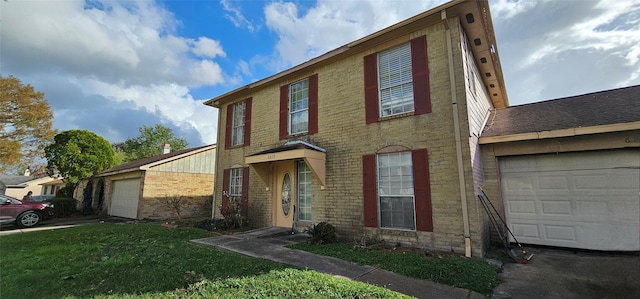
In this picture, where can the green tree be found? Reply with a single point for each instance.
(150, 143)
(78, 154)
(25, 125)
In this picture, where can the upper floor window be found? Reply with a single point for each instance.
(238, 124)
(299, 107)
(395, 80)
(237, 133)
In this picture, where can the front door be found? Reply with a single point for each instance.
(284, 193)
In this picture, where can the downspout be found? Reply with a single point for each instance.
(215, 169)
(456, 124)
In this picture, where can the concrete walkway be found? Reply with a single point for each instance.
(269, 243)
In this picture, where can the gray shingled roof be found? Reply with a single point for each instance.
(593, 109)
(16, 180)
(133, 165)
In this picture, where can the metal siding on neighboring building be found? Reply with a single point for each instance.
(588, 200)
(203, 162)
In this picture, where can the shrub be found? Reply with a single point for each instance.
(174, 204)
(234, 211)
(211, 224)
(64, 207)
(322, 233)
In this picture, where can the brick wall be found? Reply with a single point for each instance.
(346, 137)
(193, 189)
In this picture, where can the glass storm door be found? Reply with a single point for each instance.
(284, 194)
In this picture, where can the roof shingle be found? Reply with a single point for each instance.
(614, 106)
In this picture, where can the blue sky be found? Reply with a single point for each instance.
(113, 66)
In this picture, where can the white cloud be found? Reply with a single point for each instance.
(112, 51)
(206, 47)
(306, 34)
(555, 49)
(237, 17)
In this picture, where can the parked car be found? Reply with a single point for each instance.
(23, 213)
(42, 197)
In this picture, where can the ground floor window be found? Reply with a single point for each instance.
(304, 191)
(395, 191)
(235, 183)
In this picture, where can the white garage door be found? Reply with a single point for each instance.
(587, 200)
(124, 201)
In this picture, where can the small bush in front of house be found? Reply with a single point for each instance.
(64, 207)
(322, 233)
(211, 224)
(234, 211)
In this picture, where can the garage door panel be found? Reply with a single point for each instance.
(585, 200)
(125, 198)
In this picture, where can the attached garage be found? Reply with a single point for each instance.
(586, 200)
(125, 198)
(141, 189)
(567, 171)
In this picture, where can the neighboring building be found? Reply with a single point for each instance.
(19, 185)
(378, 137)
(568, 170)
(139, 189)
(52, 187)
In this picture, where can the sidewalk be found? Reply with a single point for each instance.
(57, 223)
(269, 243)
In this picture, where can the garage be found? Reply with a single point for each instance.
(588, 200)
(124, 201)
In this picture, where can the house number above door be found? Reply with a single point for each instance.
(286, 194)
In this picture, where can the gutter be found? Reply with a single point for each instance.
(456, 124)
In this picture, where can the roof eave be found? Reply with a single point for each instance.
(570, 132)
(431, 16)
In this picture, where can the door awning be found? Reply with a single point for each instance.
(314, 156)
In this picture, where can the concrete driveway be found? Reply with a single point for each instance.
(566, 274)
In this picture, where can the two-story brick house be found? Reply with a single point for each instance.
(378, 137)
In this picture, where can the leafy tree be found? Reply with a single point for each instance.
(25, 125)
(150, 143)
(78, 154)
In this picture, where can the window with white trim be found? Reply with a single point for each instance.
(235, 183)
(299, 107)
(395, 80)
(304, 191)
(237, 131)
(396, 196)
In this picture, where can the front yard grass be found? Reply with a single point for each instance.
(147, 260)
(468, 273)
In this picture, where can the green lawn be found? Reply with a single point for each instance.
(146, 260)
(468, 273)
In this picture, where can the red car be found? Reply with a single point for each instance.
(22, 212)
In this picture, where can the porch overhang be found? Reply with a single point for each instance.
(315, 158)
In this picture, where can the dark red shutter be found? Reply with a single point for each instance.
(284, 112)
(420, 69)
(369, 182)
(422, 190)
(244, 205)
(371, 105)
(228, 129)
(247, 121)
(313, 104)
(224, 203)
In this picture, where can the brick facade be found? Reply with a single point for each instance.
(345, 135)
